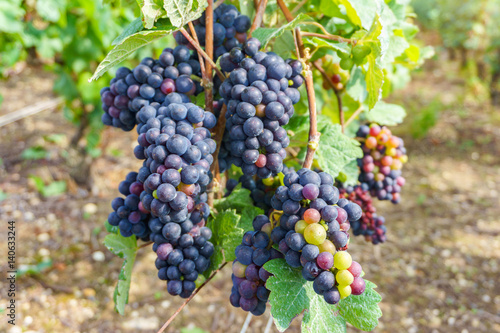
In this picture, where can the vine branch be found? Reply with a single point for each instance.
(259, 15)
(337, 93)
(145, 245)
(200, 57)
(204, 54)
(313, 143)
(169, 321)
(209, 47)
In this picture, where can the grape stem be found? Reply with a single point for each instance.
(209, 47)
(200, 57)
(259, 15)
(313, 143)
(169, 321)
(337, 93)
(145, 245)
(354, 115)
(205, 55)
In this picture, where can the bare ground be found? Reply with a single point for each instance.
(437, 273)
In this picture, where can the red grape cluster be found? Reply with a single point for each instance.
(380, 167)
(312, 232)
(370, 224)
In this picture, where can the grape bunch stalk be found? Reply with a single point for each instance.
(380, 167)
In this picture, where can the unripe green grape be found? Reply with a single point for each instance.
(361, 51)
(346, 63)
(327, 246)
(342, 260)
(315, 234)
(343, 55)
(344, 277)
(300, 226)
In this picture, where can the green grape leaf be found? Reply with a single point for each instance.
(291, 294)
(386, 114)
(247, 7)
(239, 199)
(356, 86)
(226, 236)
(128, 46)
(362, 311)
(320, 316)
(336, 46)
(374, 75)
(111, 229)
(126, 248)
(247, 216)
(264, 35)
(284, 45)
(11, 13)
(349, 174)
(336, 149)
(180, 12)
(151, 10)
(132, 28)
(397, 46)
(361, 12)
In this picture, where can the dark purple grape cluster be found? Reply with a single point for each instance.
(176, 143)
(183, 257)
(148, 84)
(370, 224)
(313, 226)
(259, 93)
(230, 30)
(249, 277)
(127, 214)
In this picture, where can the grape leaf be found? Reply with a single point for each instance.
(129, 45)
(132, 28)
(336, 149)
(386, 114)
(362, 311)
(180, 12)
(291, 295)
(356, 86)
(336, 46)
(361, 12)
(226, 236)
(264, 35)
(349, 174)
(238, 199)
(126, 248)
(151, 10)
(320, 316)
(374, 75)
(50, 10)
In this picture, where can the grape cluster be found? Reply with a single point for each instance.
(259, 93)
(148, 84)
(127, 214)
(183, 256)
(370, 224)
(177, 148)
(312, 228)
(384, 156)
(249, 277)
(229, 28)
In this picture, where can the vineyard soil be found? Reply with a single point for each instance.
(437, 272)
